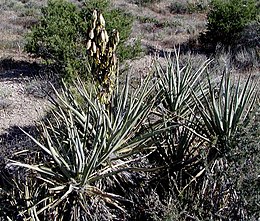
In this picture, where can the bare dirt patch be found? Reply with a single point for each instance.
(19, 105)
(17, 108)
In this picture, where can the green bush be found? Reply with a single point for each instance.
(57, 36)
(60, 35)
(227, 19)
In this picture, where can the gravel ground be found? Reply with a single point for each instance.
(17, 108)
(22, 102)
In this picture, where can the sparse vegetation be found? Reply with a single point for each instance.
(188, 7)
(176, 137)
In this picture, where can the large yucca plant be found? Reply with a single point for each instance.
(89, 141)
(179, 146)
(87, 144)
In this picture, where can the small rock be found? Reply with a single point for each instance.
(4, 103)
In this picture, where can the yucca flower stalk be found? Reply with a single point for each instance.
(102, 51)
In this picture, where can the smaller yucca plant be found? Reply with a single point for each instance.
(18, 189)
(178, 149)
(176, 84)
(226, 107)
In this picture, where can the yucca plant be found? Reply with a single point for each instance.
(177, 83)
(179, 154)
(225, 107)
(88, 144)
(18, 189)
(178, 149)
(93, 136)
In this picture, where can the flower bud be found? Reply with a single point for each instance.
(103, 48)
(88, 44)
(106, 36)
(103, 38)
(91, 34)
(94, 47)
(102, 20)
(117, 37)
(94, 15)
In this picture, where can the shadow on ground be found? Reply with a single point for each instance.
(14, 140)
(11, 69)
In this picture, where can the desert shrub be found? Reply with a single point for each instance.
(60, 35)
(145, 2)
(187, 7)
(179, 7)
(227, 19)
(200, 5)
(247, 51)
(56, 38)
(245, 55)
